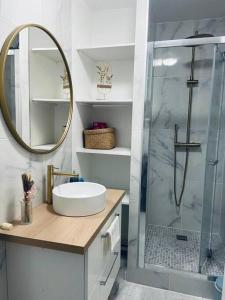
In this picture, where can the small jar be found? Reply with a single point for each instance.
(26, 212)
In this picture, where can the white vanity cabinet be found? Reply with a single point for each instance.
(3, 290)
(102, 264)
(36, 273)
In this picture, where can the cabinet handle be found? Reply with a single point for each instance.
(105, 235)
(103, 282)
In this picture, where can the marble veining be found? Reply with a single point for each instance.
(213, 26)
(183, 29)
(170, 103)
(169, 106)
(188, 216)
(173, 30)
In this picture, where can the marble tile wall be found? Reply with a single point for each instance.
(170, 104)
(182, 29)
(55, 16)
(137, 125)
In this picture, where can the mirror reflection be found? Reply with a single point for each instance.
(37, 89)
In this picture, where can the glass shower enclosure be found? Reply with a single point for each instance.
(211, 240)
(185, 91)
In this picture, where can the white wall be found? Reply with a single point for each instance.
(137, 131)
(55, 16)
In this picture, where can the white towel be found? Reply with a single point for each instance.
(114, 233)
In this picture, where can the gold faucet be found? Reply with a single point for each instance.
(50, 180)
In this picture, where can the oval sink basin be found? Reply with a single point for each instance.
(79, 199)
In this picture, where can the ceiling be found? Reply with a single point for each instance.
(174, 10)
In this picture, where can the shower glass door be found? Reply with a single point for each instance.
(179, 237)
(211, 158)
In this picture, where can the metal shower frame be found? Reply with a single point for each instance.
(136, 271)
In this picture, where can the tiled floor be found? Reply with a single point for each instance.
(162, 248)
(215, 266)
(128, 290)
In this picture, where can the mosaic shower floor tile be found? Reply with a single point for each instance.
(162, 248)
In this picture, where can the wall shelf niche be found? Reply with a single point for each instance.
(49, 101)
(105, 102)
(44, 147)
(102, 40)
(118, 151)
(48, 98)
(109, 52)
(51, 53)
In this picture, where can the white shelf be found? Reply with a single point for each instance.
(44, 147)
(105, 102)
(52, 53)
(110, 52)
(109, 4)
(11, 52)
(119, 151)
(46, 100)
(126, 199)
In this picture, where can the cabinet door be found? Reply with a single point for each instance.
(3, 282)
(43, 274)
(109, 275)
(96, 293)
(102, 264)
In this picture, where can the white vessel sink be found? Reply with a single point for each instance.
(79, 198)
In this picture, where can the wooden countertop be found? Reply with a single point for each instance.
(72, 234)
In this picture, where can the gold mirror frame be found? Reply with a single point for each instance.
(3, 100)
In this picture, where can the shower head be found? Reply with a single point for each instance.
(200, 36)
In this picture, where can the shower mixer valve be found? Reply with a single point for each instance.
(192, 83)
(183, 145)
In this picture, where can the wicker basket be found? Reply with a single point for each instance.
(100, 139)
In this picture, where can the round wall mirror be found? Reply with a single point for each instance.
(36, 95)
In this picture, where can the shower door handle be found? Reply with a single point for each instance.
(213, 162)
